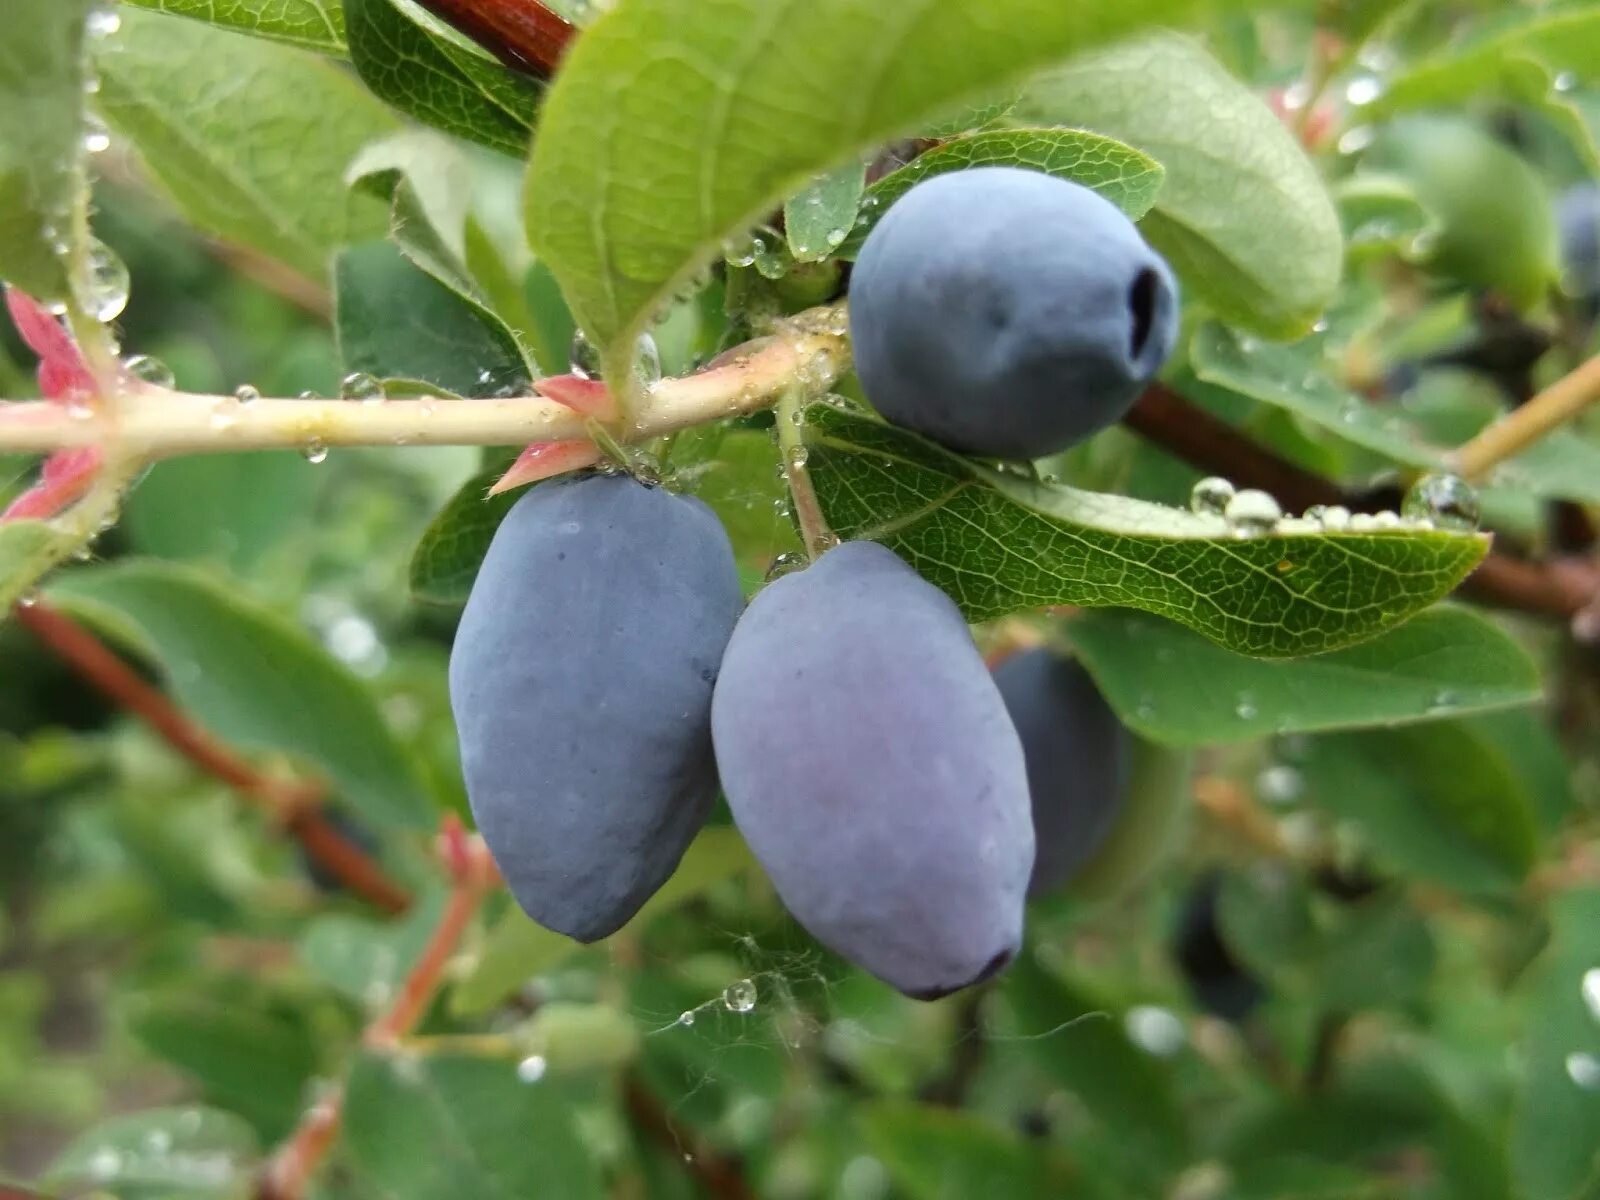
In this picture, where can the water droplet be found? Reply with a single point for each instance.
(647, 361)
(158, 1141)
(102, 286)
(1442, 700)
(27, 599)
(772, 256)
(798, 457)
(686, 1017)
(102, 22)
(1363, 90)
(1446, 501)
(583, 357)
(1363, 523)
(148, 370)
(1334, 518)
(1355, 139)
(1321, 326)
(314, 451)
(1154, 1030)
(781, 507)
(246, 394)
(1210, 496)
(1245, 709)
(1280, 784)
(1566, 81)
(1583, 1069)
(1386, 520)
(1252, 513)
(360, 386)
(531, 1069)
(739, 997)
(1590, 990)
(105, 1163)
(741, 251)
(96, 137)
(785, 564)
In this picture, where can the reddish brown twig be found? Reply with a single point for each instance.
(523, 34)
(296, 803)
(1559, 587)
(472, 873)
(720, 1178)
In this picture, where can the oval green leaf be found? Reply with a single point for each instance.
(255, 679)
(1127, 177)
(1243, 215)
(998, 544)
(672, 123)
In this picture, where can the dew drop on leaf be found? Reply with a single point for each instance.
(1583, 1069)
(1252, 513)
(103, 22)
(1280, 784)
(740, 997)
(1154, 1030)
(1446, 501)
(314, 451)
(531, 1069)
(96, 137)
(1209, 497)
(1590, 990)
(686, 1017)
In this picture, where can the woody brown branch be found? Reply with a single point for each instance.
(296, 803)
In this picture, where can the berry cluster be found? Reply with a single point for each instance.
(607, 676)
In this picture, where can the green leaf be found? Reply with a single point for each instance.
(697, 137)
(1438, 801)
(1148, 828)
(441, 1127)
(161, 1152)
(437, 82)
(1376, 953)
(247, 1061)
(1243, 215)
(452, 547)
(1297, 378)
(366, 960)
(396, 322)
(1555, 1144)
(1176, 687)
(1077, 1042)
(27, 550)
(42, 73)
(1559, 39)
(255, 679)
(816, 220)
(939, 1154)
(231, 509)
(1127, 177)
(997, 544)
(1381, 216)
(517, 949)
(251, 138)
(310, 24)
